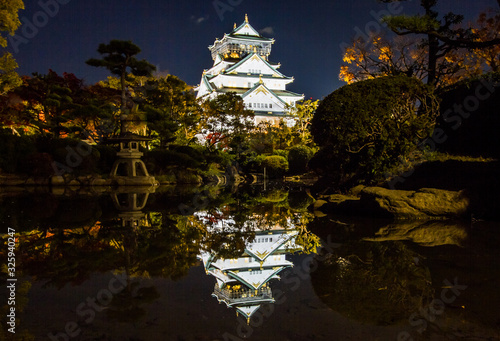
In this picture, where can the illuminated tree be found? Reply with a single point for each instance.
(303, 113)
(49, 102)
(440, 35)
(9, 22)
(488, 28)
(226, 120)
(441, 58)
(382, 56)
(169, 103)
(171, 107)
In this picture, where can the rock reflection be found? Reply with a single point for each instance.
(427, 233)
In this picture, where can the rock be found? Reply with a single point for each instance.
(429, 233)
(12, 180)
(425, 203)
(57, 180)
(342, 204)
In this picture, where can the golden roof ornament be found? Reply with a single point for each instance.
(246, 18)
(234, 26)
(260, 82)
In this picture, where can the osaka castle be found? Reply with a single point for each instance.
(241, 65)
(242, 283)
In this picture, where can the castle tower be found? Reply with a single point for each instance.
(241, 65)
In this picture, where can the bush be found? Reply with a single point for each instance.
(71, 155)
(158, 161)
(276, 166)
(281, 152)
(106, 158)
(471, 132)
(14, 150)
(366, 128)
(298, 157)
(299, 200)
(194, 153)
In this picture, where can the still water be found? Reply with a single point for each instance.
(224, 264)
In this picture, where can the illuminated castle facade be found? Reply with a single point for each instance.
(241, 65)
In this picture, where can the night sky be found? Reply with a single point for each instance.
(174, 35)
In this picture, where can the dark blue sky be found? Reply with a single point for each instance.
(174, 35)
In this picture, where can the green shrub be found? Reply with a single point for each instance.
(194, 153)
(299, 200)
(276, 166)
(157, 161)
(367, 127)
(281, 152)
(253, 163)
(298, 157)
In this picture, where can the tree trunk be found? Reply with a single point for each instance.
(123, 115)
(432, 64)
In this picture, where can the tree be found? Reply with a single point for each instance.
(119, 59)
(487, 28)
(303, 113)
(171, 108)
(383, 56)
(95, 111)
(226, 121)
(50, 102)
(364, 128)
(441, 35)
(9, 22)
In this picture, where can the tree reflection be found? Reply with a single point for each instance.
(120, 234)
(379, 283)
(246, 244)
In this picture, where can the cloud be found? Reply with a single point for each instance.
(199, 20)
(267, 30)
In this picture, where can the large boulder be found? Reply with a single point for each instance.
(425, 203)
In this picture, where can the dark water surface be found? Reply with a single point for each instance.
(220, 264)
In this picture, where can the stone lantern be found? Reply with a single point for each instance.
(129, 169)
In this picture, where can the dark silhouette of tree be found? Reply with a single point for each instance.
(119, 58)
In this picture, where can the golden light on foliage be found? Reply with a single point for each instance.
(384, 55)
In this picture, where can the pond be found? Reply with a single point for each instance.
(210, 263)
